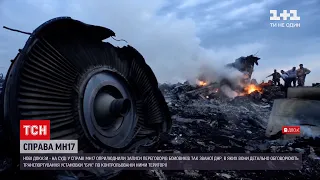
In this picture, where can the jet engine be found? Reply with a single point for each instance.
(105, 97)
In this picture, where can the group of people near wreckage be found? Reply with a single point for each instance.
(290, 77)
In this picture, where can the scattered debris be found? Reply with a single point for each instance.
(224, 175)
(315, 84)
(221, 125)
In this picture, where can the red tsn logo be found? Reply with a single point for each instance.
(34, 129)
(291, 130)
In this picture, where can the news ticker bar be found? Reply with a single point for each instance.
(161, 161)
(48, 146)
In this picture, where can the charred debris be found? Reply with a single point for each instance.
(204, 120)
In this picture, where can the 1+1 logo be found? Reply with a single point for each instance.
(292, 15)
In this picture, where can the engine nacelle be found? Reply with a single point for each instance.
(105, 97)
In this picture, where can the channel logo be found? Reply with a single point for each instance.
(35, 139)
(34, 129)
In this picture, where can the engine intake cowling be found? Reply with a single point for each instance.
(105, 97)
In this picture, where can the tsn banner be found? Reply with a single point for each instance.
(35, 138)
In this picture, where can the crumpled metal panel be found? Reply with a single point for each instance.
(294, 112)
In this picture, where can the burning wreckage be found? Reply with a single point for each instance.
(206, 120)
(237, 85)
(53, 77)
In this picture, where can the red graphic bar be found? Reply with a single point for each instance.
(34, 129)
(291, 130)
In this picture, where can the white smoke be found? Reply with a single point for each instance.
(308, 132)
(305, 130)
(228, 91)
(212, 74)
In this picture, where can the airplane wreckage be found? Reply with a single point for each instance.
(106, 97)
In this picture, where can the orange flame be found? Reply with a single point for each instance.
(202, 83)
(252, 88)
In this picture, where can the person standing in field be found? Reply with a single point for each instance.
(275, 77)
(287, 81)
(292, 73)
(301, 74)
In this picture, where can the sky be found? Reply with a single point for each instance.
(179, 37)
